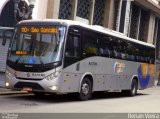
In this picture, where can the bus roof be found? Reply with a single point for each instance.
(6, 28)
(91, 27)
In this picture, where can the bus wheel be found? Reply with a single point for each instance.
(133, 90)
(86, 89)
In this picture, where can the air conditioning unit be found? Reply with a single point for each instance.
(80, 19)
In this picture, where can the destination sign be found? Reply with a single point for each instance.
(21, 52)
(38, 29)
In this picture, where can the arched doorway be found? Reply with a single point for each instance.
(15, 11)
(7, 15)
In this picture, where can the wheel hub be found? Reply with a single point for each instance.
(85, 88)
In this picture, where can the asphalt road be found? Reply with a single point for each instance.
(146, 101)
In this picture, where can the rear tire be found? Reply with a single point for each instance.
(86, 89)
(133, 90)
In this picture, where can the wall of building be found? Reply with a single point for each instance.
(135, 19)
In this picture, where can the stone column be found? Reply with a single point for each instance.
(91, 12)
(118, 16)
(109, 14)
(127, 17)
(53, 9)
(151, 28)
(74, 9)
(40, 9)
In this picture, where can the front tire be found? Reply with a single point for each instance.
(86, 89)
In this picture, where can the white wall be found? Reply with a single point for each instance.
(40, 9)
(2, 4)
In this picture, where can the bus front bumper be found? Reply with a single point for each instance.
(32, 86)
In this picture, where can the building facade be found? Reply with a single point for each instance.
(138, 19)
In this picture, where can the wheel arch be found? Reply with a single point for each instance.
(89, 76)
(135, 77)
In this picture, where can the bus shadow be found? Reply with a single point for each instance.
(51, 98)
(113, 95)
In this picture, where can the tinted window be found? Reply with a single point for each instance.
(104, 45)
(90, 42)
(73, 46)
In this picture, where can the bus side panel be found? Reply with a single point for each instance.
(69, 82)
(108, 74)
(146, 75)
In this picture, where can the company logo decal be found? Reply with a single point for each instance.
(31, 60)
(145, 71)
(119, 67)
(28, 74)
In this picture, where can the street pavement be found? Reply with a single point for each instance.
(147, 101)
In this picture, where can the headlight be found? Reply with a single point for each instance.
(52, 76)
(7, 84)
(53, 87)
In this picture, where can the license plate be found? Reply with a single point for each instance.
(27, 89)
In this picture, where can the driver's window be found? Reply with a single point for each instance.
(73, 47)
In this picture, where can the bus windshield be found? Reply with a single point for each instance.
(37, 45)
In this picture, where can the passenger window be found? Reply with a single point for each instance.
(152, 56)
(89, 44)
(120, 50)
(130, 55)
(114, 48)
(104, 49)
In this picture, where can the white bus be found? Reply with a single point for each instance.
(62, 56)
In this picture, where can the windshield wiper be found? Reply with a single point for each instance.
(18, 59)
(40, 59)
